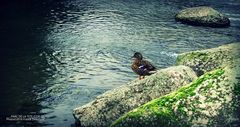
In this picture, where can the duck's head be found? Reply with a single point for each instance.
(137, 56)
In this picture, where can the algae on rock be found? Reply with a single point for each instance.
(211, 100)
(175, 96)
(109, 106)
(206, 60)
(205, 102)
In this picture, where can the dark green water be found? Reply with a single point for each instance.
(58, 55)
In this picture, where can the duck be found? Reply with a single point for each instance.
(142, 67)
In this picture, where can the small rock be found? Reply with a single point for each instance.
(202, 16)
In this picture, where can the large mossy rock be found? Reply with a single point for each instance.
(211, 100)
(206, 60)
(202, 16)
(109, 106)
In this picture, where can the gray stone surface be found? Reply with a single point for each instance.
(202, 16)
(109, 106)
(206, 60)
(213, 99)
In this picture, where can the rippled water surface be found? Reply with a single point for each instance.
(59, 55)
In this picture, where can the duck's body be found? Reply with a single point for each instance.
(142, 67)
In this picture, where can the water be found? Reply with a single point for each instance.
(58, 55)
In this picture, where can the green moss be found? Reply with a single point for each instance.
(209, 99)
(162, 107)
(208, 86)
(191, 56)
(205, 89)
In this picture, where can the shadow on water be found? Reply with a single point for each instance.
(26, 61)
(23, 70)
(59, 54)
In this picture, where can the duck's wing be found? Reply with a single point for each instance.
(148, 65)
(144, 67)
(140, 69)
